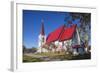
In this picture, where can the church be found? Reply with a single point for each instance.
(61, 39)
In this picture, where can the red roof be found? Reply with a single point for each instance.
(61, 34)
(54, 36)
(68, 33)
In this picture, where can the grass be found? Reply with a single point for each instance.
(30, 59)
(51, 54)
(54, 57)
(81, 57)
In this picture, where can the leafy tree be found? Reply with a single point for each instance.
(85, 23)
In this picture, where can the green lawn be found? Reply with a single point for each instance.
(42, 57)
(30, 59)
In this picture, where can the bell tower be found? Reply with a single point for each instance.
(42, 37)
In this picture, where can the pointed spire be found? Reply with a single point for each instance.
(42, 28)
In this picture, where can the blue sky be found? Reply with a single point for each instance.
(32, 24)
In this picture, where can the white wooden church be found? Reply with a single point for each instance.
(61, 39)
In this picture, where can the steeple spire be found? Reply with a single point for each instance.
(42, 28)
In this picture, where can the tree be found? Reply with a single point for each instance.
(24, 49)
(85, 23)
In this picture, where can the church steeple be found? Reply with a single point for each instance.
(42, 28)
(42, 38)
